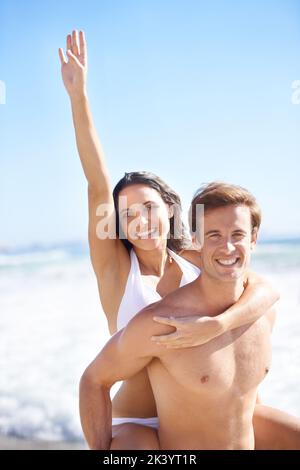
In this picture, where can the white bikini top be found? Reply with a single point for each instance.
(138, 295)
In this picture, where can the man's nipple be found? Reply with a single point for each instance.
(204, 379)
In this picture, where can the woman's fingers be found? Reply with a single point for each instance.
(77, 46)
(166, 321)
(82, 45)
(69, 42)
(73, 58)
(62, 56)
(165, 338)
(75, 43)
(179, 346)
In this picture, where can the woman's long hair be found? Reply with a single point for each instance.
(178, 236)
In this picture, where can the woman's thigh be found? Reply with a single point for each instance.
(134, 436)
(275, 429)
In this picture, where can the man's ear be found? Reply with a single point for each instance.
(253, 238)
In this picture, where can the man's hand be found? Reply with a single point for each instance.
(190, 331)
(74, 71)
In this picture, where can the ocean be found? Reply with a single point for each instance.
(52, 325)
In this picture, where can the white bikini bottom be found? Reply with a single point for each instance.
(150, 422)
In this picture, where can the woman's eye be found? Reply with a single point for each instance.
(151, 207)
(127, 214)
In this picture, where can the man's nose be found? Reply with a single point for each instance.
(229, 246)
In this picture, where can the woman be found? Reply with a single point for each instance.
(141, 268)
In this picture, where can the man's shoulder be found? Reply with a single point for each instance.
(179, 301)
(145, 316)
(137, 334)
(182, 299)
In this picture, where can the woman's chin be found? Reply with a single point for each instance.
(148, 244)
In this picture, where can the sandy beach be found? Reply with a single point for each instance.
(13, 443)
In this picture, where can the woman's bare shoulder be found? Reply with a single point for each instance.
(193, 256)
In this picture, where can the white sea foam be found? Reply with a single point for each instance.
(52, 326)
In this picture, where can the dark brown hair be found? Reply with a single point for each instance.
(168, 195)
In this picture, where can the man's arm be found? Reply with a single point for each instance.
(258, 297)
(126, 353)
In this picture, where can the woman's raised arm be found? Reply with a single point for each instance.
(74, 75)
(107, 253)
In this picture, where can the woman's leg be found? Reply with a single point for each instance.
(275, 429)
(134, 437)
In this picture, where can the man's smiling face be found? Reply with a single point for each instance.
(228, 241)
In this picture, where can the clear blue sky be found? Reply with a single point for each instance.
(191, 90)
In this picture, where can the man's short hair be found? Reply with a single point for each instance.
(218, 194)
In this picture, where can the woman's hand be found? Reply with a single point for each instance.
(190, 331)
(74, 71)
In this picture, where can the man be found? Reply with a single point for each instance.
(205, 395)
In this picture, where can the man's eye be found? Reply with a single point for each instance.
(238, 235)
(214, 236)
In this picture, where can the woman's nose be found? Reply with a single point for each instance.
(143, 220)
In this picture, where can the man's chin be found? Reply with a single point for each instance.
(230, 274)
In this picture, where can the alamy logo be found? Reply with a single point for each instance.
(2, 92)
(296, 94)
(140, 222)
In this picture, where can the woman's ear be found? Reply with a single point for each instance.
(170, 211)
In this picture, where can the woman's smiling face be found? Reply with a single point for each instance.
(144, 216)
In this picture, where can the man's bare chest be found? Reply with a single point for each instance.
(237, 360)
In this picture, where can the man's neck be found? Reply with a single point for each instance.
(218, 296)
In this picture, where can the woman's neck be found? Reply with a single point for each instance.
(153, 261)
